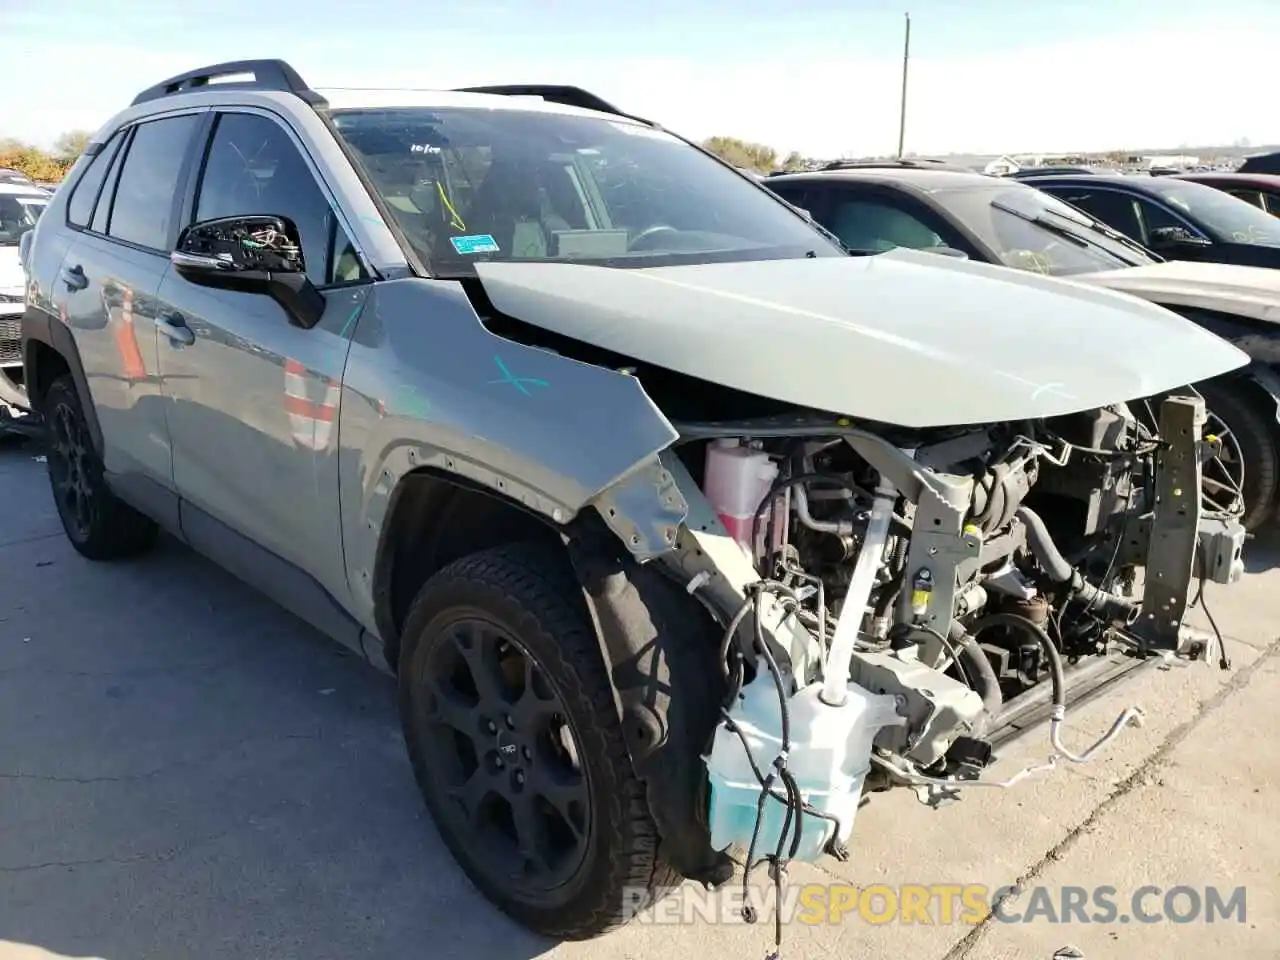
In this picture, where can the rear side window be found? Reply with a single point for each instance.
(102, 215)
(85, 193)
(142, 212)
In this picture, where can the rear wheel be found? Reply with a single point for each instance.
(511, 727)
(99, 525)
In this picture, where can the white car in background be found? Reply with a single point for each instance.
(21, 203)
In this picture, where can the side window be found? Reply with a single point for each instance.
(1115, 209)
(876, 223)
(794, 193)
(808, 198)
(1154, 215)
(1248, 196)
(142, 211)
(254, 168)
(1273, 203)
(85, 192)
(102, 215)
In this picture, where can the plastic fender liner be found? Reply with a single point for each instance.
(1265, 376)
(660, 648)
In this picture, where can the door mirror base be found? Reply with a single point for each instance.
(252, 254)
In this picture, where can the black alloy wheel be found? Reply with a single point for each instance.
(99, 525)
(504, 753)
(517, 748)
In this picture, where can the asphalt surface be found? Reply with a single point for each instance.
(185, 770)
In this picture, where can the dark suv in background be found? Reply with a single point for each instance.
(1176, 218)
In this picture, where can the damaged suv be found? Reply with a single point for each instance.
(679, 526)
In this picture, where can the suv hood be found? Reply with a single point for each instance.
(1245, 291)
(902, 337)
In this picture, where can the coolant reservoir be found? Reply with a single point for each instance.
(830, 757)
(737, 480)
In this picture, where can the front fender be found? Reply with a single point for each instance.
(428, 386)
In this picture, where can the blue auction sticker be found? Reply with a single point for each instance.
(477, 243)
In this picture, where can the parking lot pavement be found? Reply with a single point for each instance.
(185, 770)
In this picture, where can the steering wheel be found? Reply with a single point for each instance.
(648, 232)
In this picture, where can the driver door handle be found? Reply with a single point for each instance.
(175, 328)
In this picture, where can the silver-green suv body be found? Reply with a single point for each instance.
(492, 386)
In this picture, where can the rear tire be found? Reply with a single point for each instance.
(510, 622)
(99, 525)
(1254, 444)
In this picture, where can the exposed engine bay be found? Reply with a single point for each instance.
(899, 591)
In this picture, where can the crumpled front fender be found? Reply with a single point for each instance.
(428, 386)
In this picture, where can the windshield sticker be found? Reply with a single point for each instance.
(476, 243)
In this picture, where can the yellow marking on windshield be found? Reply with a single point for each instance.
(455, 221)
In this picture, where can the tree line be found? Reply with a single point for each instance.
(49, 166)
(43, 166)
(753, 156)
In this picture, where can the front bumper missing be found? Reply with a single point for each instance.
(1183, 545)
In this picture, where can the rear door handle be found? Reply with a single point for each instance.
(176, 329)
(74, 277)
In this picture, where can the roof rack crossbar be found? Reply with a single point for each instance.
(563, 94)
(267, 75)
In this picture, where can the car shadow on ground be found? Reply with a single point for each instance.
(1262, 552)
(188, 770)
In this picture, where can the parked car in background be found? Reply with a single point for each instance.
(1260, 189)
(1178, 219)
(14, 177)
(876, 207)
(1261, 163)
(21, 204)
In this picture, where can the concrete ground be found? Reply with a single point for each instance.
(187, 771)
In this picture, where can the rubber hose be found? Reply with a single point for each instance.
(1042, 545)
(979, 669)
(1057, 673)
(1112, 607)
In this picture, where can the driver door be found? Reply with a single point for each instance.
(253, 397)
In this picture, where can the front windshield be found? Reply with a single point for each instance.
(1006, 220)
(1229, 218)
(18, 214)
(467, 185)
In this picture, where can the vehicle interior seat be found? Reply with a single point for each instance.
(511, 207)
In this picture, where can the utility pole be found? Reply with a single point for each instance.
(906, 58)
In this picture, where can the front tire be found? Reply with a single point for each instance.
(99, 525)
(510, 723)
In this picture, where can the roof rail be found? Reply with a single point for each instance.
(568, 96)
(915, 163)
(1030, 173)
(267, 75)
